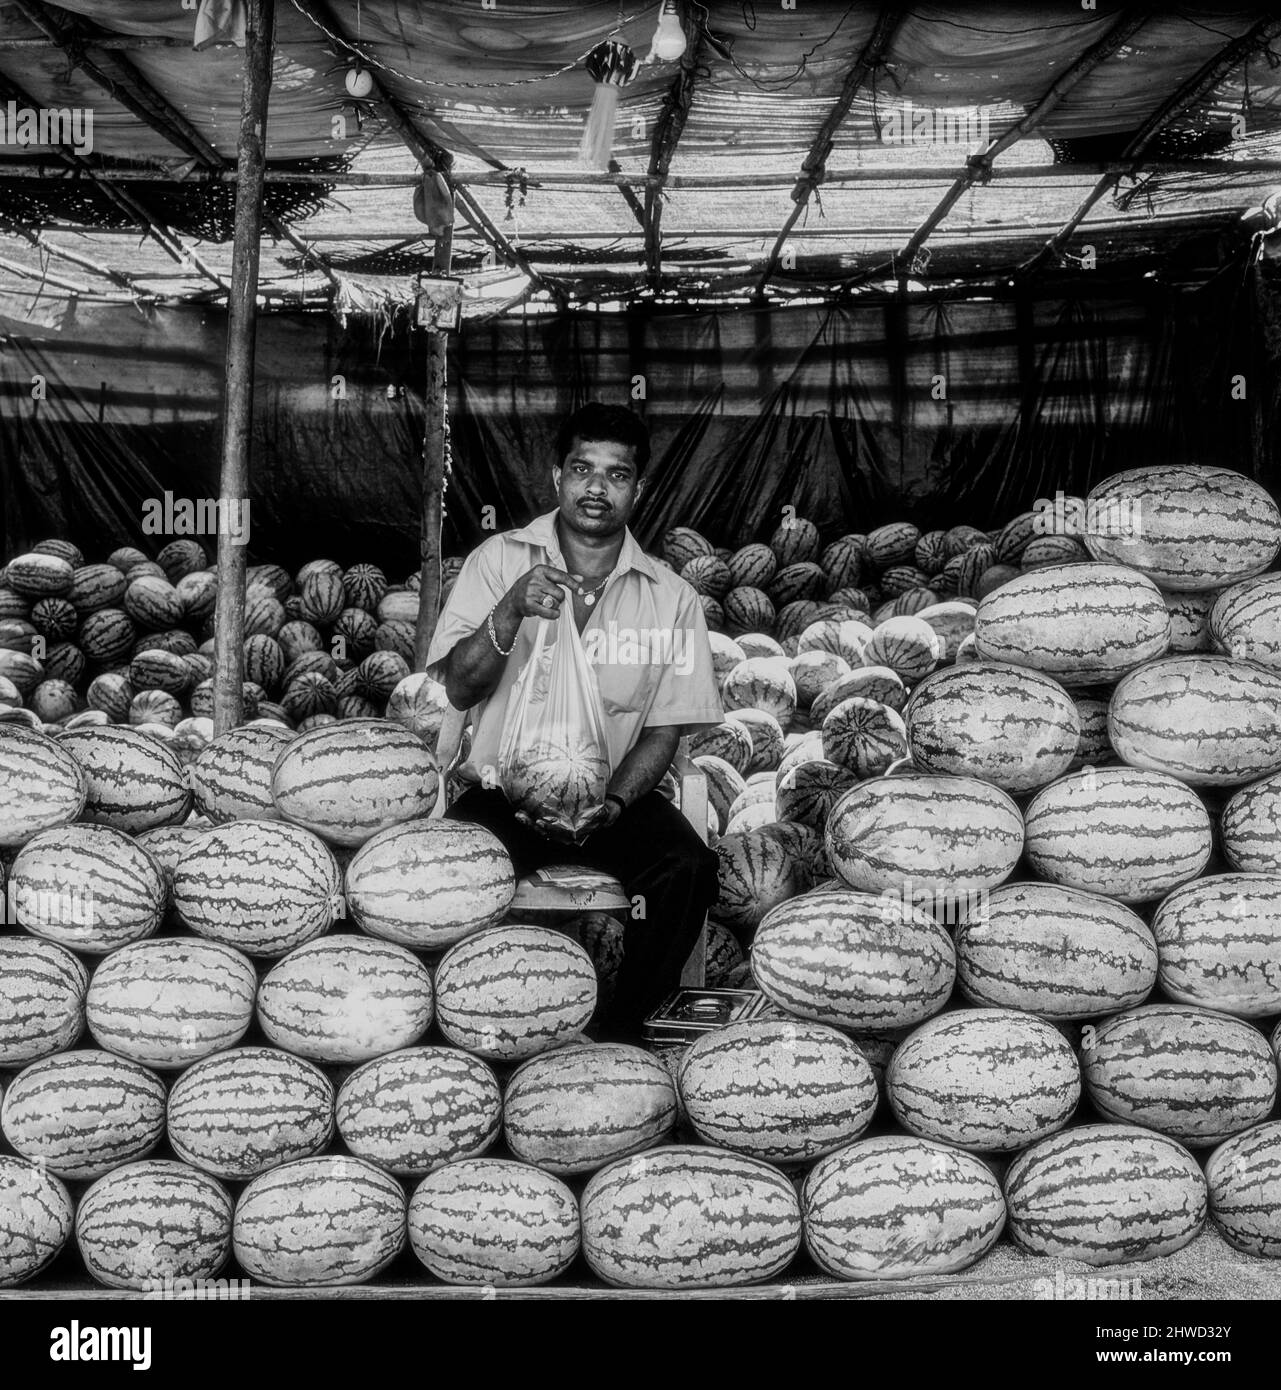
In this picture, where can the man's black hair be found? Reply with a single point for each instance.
(597, 421)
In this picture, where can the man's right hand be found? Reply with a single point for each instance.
(538, 594)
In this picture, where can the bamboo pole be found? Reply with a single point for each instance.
(433, 471)
(229, 620)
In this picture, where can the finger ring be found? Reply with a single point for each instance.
(547, 600)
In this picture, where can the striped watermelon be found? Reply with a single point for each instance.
(1044, 551)
(41, 785)
(1054, 952)
(54, 701)
(894, 1207)
(1207, 720)
(1198, 527)
(112, 694)
(35, 575)
(752, 566)
(308, 695)
(854, 960)
(758, 644)
(1119, 831)
(42, 994)
(380, 673)
(511, 992)
(781, 1091)
(239, 1113)
(21, 670)
(1083, 624)
(345, 999)
(936, 835)
(134, 782)
(708, 575)
(908, 645)
(412, 1111)
(681, 545)
(65, 662)
(1245, 621)
(296, 639)
(724, 956)
(984, 1079)
(151, 1221)
(726, 654)
(724, 783)
(1093, 749)
(319, 1221)
(94, 587)
(396, 638)
(167, 844)
(182, 557)
(807, 792)
(54, 618)
(877, 683)
(107, 635)
(952, 622)
(795, 541)
(264, 613)
(748, 610)
(794, 584)
(151, 707)
(87, 887)
(264, 661)
(813, 671)
(258, 885)
(1244, 1178)
(231, 776)
(891, 545)
(198, 593)
(1190, 619)
(686, 1217)
(126, 557)
(419, 704)
(36, 1219)
(1105, 1194)
(766, 734)
(321, 596)
(1219, 945)
(577, 1108)
(1151, 1065)
(84, 1113)
(843, 637)
(901, 579)
(159, 670)
(169, 1003)
(428, 884)
(153, 603)
(762, 683)
(1250, 827)
(348, 781)
(755, 873)
(1005, 724)
(842, 562)
(864, 737)
(494, 1222)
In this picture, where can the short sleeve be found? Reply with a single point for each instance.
(478, 587)
(688, 691)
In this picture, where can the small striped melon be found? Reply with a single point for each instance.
(420, 705)
(414, 1110)
(84, 1113)
(330, 1220)
(766, 734)
(877, 683)
(1083, 624)
(495, 1222)
(510, 992)
(1219, 944)
(1190, 619)
(169, 1003)
(96, 586)
(894, 1207)
(88, 887)
(728, 740)
(577, 1108)
(348, 781)
(231, 775)
(755, 872)
(807, 792)
(345, 999)
(1005, 724)
(686, 1217)
(854, 960)
(152, 1221)
(36, 574)
(42, 998)
(752, 566)
(1093, 750)
(1118, 831)
(1207, 720)
(864, 737)
(952, 622)
(1244, 1178)
(934, 834)
(258, 885)
(1106, 1195)
(779, 1090)
(1250, 827)
(41, 785)
(1198, 527)
(748, 610)
(429, 883)
(239, 1113)
(892, 544)
(134, 782)
(1245, 621)
(1192, 1074)
(984, 1079)
(907, 645)
(1054, 952)
(107, 636)
(762, 683)
(795, 540)
(36, 1219)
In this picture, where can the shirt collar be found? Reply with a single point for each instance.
(542, 532)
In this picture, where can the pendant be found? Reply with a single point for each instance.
(589, 599)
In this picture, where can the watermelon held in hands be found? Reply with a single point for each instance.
(559, 781)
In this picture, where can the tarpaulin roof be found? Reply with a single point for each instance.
(708, 150)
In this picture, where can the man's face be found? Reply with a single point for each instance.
(598, 486)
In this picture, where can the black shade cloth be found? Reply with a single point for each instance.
(937, 411)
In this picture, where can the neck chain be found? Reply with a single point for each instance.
(589, 597)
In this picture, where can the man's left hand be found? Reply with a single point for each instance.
(601, 818)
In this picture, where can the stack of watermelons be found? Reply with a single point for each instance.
(997, 819)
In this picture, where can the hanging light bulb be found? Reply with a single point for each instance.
(360, 82)
(669, 37)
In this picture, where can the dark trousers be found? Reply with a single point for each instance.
(654, 853)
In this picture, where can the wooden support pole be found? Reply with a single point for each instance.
(242, 314)
(433, 505)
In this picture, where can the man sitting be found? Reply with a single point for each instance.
(644, 631)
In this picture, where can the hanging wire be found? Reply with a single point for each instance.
(370, 61)
(749, 23)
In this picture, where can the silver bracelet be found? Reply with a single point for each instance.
(493, 636)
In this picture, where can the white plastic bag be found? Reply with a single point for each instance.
(553, 759)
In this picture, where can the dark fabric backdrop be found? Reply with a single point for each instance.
(833, 411)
